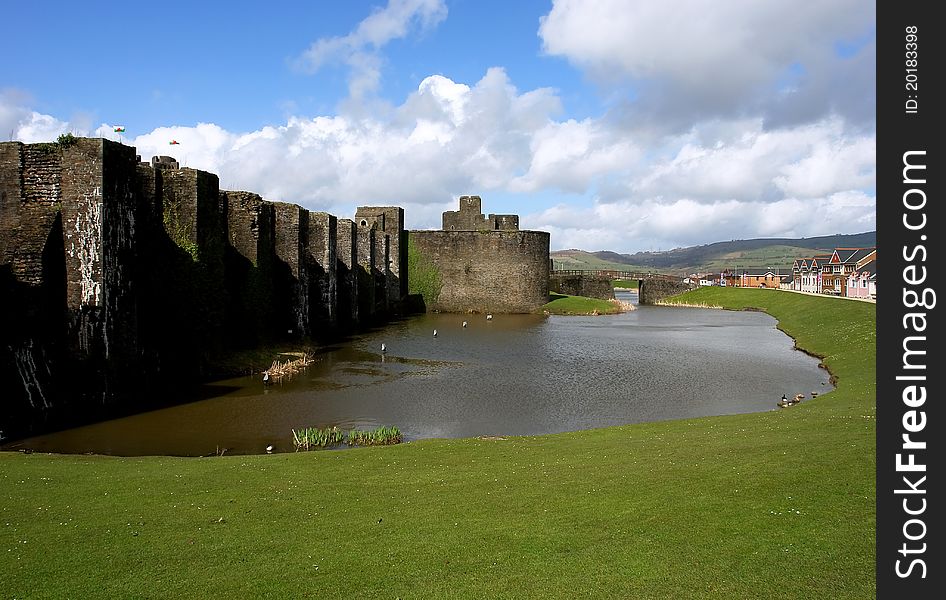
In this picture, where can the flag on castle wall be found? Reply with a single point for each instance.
(119, 129)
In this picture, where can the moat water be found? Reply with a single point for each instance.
(512, 375)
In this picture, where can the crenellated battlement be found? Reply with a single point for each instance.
(483, 264)
(470, 217)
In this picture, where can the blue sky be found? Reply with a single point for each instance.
(618, 125)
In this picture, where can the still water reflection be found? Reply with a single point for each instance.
(512, 375)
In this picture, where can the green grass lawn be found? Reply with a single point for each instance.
(768, 505)
(563, 304)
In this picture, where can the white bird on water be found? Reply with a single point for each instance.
(265, 376)
(384, 348)
(269, 449)
(464, 323)
(435, 333)
(489, 317)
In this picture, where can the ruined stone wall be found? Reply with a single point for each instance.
(249, 268)
(30, 178)
(118, 277)
(382, 272)
(504, 222)
(292, 240)
(71, 286)
(251, 225)
(654, 290)
(389, 221)
(469, 217)
(149, 195)
(366, 273)
(193, 271)
(32, 283)
(582, 285)
(495, 271)
(154, 249)
(346, 272)
(121, 270)
(322, 262)
(99, 213)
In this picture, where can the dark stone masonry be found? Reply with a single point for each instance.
(470, 218)
(582, 285)
(497, 269)
(119, 276)
(655, 290)
(346, 270)
(122, 279)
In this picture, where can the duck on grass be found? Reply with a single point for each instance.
(313, 437)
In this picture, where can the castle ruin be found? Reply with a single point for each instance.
(118, 276)
(470, 218)
(483, 264)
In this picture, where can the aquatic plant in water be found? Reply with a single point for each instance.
(382, 436)
(309, 437)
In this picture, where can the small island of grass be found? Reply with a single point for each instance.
(561, 304)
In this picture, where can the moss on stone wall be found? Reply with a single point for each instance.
(498, 271)
(423, 277)
(178, 234)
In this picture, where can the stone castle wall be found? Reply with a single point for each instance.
(249, 267)
(655, 290)
(494, 271)
(582, 285)
(365, 271)
(292, 242)
(389, 223)
(321, 263)
(117, 276)
(29, 207)
(346, 263)
(469, 217)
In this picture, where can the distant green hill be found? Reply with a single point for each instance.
(582, 260)
(760, 252)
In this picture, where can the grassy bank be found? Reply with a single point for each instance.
(767, 505)
(625, 284)
(562, 304)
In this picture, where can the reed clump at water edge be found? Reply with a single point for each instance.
(623, 305)
(687, 304)
(284, 369)
(314, 437)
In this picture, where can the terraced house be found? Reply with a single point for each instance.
(844, 262)
(807, 273)
(862, 283)
(834, 273)
(800, 274)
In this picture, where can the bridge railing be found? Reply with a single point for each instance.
(613, 274)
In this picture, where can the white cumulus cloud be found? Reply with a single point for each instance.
(721, 179)
(359, 49)
(809, 161)
(703, 58)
